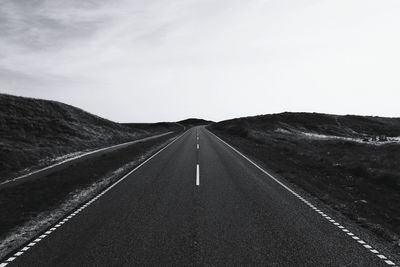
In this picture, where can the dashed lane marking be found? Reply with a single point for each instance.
(197, 174)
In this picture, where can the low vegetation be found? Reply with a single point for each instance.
(32, 130)
(349, 162)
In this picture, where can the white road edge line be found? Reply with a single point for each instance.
(388, 262)
(25, 247)
(197, 174)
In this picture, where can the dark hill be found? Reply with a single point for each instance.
(194, 122)
(345, 126)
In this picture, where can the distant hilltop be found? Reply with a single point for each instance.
(194, 122)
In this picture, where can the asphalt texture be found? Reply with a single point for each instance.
(236, 216)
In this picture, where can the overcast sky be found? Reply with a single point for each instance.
(166, 60)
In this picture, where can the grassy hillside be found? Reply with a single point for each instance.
(349, 162)
(344, 126)
(32, 130)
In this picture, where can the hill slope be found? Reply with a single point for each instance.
(33, 130)
(323, 124)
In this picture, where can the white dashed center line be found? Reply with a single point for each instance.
(197, 174)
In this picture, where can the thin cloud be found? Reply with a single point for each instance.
(167, 60)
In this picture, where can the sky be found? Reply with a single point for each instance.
(167, 60)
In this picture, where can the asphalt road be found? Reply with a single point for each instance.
(231, 214)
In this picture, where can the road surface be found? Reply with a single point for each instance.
(197, 203)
